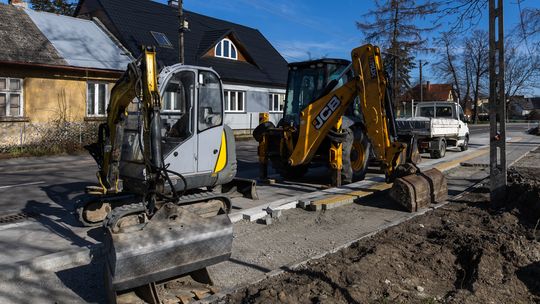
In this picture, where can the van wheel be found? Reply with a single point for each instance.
(465, 145)
(441, 152)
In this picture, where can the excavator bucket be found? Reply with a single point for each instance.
(416, 191)
(173, 244)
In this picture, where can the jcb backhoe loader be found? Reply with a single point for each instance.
(163, 155)
(336, 112)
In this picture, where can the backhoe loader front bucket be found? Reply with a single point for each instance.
(173, 243)
(417, 191)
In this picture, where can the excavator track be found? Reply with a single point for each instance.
(109, 204)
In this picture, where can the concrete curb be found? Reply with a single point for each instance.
(53, 262)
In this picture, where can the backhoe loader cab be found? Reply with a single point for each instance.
(308, 80)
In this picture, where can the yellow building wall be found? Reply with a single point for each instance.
(53, 94)
(47, 100)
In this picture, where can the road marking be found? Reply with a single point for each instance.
(454, 163)
(20, 185)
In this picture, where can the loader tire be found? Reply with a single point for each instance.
(355, 156)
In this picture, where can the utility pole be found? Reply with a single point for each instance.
(497, 103)
(421, 82)
(181, 30)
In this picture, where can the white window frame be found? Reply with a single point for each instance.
(96, 98)
(227, 96)
(7, 91)
(281, 102)
(231, 47)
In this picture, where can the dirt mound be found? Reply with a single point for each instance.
(465, 252)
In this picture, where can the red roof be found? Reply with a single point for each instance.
(432, 92)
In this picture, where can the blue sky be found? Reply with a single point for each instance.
(302, 29)
(325, 28)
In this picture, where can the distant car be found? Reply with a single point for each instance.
(437, 126)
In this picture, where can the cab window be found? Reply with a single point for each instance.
(210, 112)
(177, 109)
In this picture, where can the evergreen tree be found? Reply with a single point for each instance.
(393, 25)
(62, 7)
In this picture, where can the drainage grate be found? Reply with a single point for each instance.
(12, 218)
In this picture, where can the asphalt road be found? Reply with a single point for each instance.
(51, 185)
(510, 127)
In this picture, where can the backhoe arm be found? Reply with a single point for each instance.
(369, 85)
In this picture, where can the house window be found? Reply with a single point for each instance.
(161, 39)
(11, 97)
(226, 49)
(235, 101)
(97, 99)
(276, 102)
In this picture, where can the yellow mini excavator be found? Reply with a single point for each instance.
(337, 113)
(166, 162)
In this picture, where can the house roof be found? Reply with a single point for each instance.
(22, 41)
(82, 43)
(431, 92)
(134, 19)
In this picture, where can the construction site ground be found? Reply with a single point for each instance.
(47, 258)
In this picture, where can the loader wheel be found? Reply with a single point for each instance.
(355, 156)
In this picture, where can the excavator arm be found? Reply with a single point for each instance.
(320, 117)
(138, 81)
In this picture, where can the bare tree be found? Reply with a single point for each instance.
(477, 54)
(393, 25)
(522, 69)
(62, 7)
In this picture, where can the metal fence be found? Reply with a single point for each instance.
(43, 138)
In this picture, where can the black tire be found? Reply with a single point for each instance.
(465, 145)
(441, 152)
(356, 151)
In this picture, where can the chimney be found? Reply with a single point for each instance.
(18, 3)
(173, 3)
(427, 86)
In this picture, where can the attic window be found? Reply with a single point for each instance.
(161, 39)
(226, 49)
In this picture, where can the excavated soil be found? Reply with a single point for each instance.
(469, 251)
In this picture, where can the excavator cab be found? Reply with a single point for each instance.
(195, 142)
